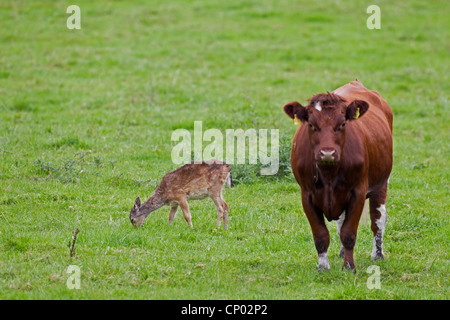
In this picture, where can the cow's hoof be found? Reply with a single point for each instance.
(323, 268)
(323, 262)
(349, 266)
(376, 257)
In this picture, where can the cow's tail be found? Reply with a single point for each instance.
(365, 214)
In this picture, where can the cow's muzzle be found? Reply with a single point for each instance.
(328, 156)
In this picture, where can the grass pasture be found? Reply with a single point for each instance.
(86, 123)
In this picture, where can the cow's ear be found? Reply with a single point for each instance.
(296, 110)
(356, 109)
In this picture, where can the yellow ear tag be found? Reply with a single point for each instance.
(356, 114)
(297, 121)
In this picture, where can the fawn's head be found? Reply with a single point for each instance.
(136, 216)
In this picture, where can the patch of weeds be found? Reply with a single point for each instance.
(64, 172)
(4, 150)
(9, 201)
(98, 162)
(251, 173)
(244, 173)
(20, 244)
(12, 200)
(22, 105)
(145, 182)
(122, 179)
(420, 165)
(67, 170)
(284, 165)
(70, 141)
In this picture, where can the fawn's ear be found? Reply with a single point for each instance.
(137, 203)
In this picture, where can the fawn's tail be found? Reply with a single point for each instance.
(230, 181)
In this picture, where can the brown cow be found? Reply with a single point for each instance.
(342, 155)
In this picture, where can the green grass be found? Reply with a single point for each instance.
(85, 127)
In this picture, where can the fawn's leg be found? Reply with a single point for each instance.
(226, 208)
(173, 211)
(219, 205)
(187, 214)
(222, 207)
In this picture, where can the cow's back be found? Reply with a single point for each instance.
(375, 126)
(355, 90)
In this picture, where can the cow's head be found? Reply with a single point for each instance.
(326, 116)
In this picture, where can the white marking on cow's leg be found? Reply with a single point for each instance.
(377, 250)
(339, 223)
(318, 106)
(323, 261)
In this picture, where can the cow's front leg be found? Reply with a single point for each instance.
(350, 227)
(320, 233)
(321, 241)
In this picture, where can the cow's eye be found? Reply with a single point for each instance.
(314, 128)
(341, 127)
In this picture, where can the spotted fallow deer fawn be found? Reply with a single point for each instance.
(191, 181)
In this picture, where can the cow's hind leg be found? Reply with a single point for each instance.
(349, 228)
(378, 217)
